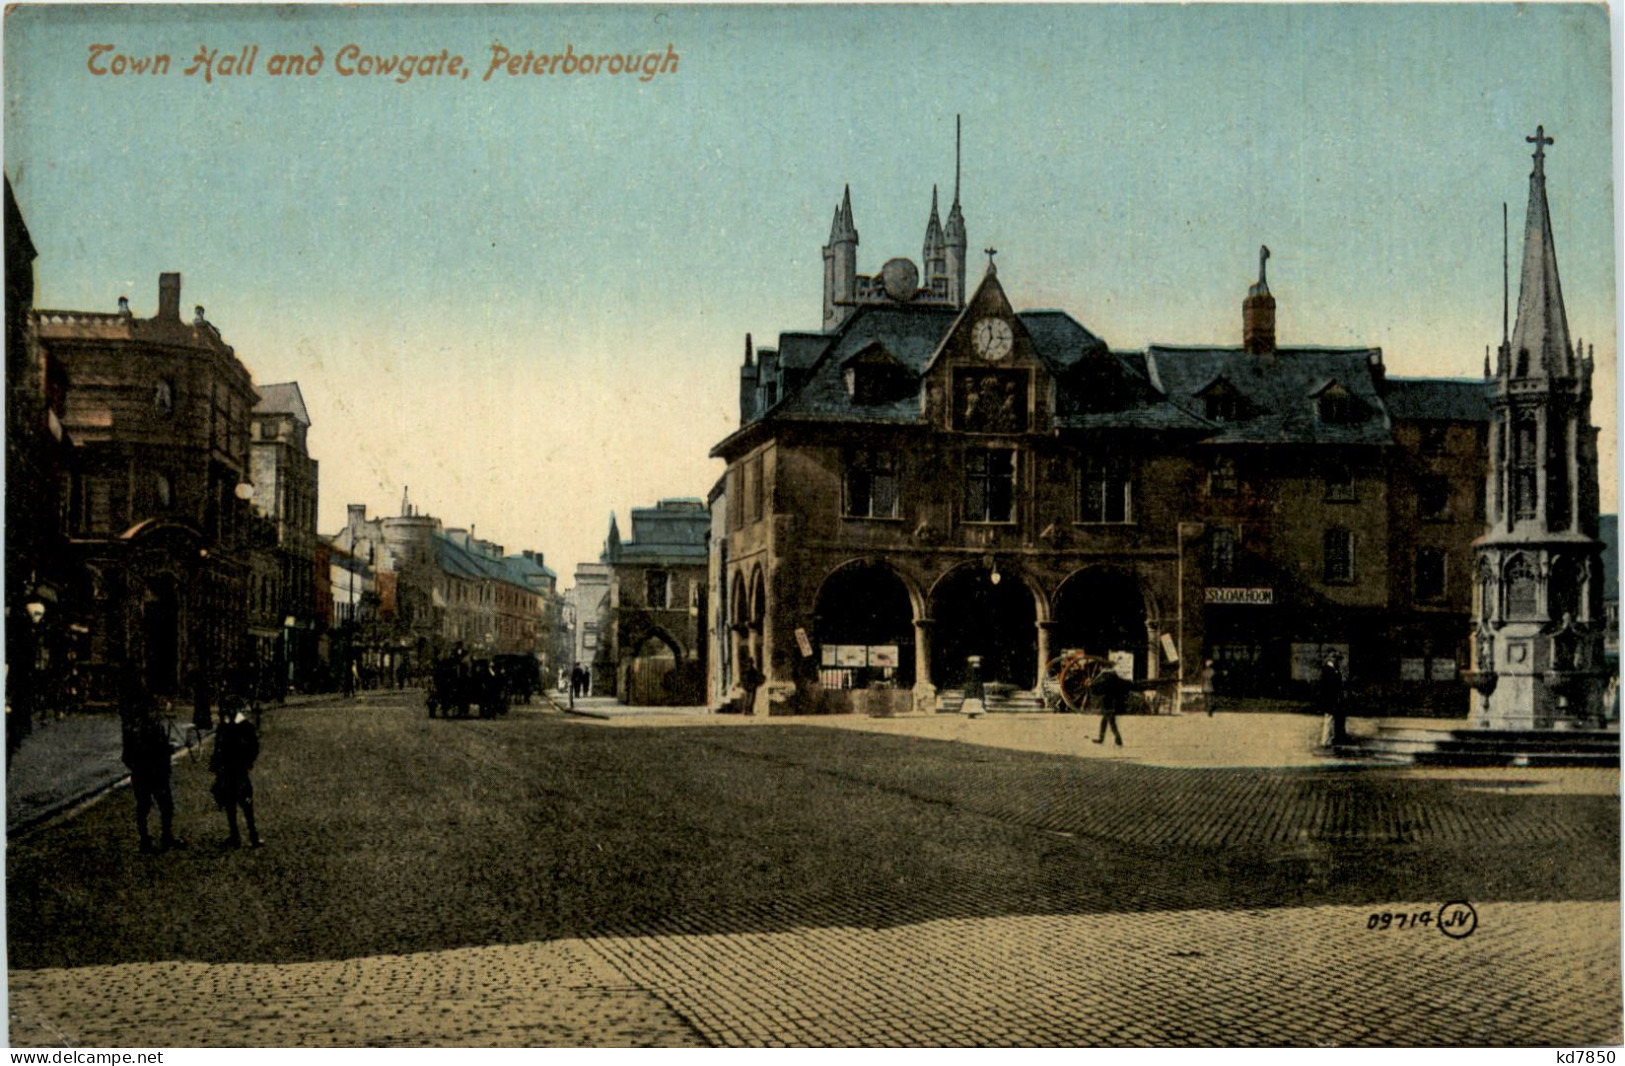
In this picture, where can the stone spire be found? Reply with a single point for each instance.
(954, 235)
(1540, 341)
(935, 253)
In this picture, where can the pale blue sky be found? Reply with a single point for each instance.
(553, 276)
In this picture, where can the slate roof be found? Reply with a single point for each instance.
(671, 532)
(459, 561)
(1278, 392)
(284, 398)
(1438, 399)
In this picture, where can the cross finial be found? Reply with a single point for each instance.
(991, 252)
(1540, 141)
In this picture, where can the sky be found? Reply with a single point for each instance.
(526, 296)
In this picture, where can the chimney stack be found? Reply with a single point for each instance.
(169, 297)
(1258, 313)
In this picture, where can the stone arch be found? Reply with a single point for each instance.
(866, 603)
(974, 615)
(1101, 609)
(649, 672)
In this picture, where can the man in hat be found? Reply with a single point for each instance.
(147, 756)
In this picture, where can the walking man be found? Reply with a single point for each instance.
(236, 746)
(1112, 691)
(146, 755)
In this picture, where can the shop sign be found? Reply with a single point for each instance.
(1253, 597)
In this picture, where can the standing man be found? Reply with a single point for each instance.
(1112, 692)
(146, 755)
(236, 747)
(1210, 696)
(1331, 697)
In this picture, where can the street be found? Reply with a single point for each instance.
(545, 879)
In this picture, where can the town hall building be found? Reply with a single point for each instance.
(937, 485)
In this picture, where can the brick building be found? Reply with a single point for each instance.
(158, 409)
(932, 478)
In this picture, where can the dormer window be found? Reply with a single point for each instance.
(1222, 403)
(875, 376)
(1338, 406)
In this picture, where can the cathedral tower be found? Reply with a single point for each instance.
(934, 256)
(1538, 653)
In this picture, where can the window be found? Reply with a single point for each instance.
(1104, 493)
(871, 484)
(753, 490)
(1222, 479)
(1339, 483)
(1435, 440)
(736, 497)
(657, 586)
(163, 397)
(1223, 406)
(163, 490)
(1339, 557)
(95, 505)
(1430, 574)
(1221, 548)
(990, 485)
(1523, 467)
(1433, 498)
(1338, 406)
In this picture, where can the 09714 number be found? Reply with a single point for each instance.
(1399, 920)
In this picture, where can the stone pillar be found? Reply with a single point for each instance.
(1046, 630)
(925, 693)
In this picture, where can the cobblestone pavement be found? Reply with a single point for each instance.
(540, 879)
(1301, 976)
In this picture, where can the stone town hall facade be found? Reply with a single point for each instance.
(935, 475)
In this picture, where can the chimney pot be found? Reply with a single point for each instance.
(198, 311)
(169, 297)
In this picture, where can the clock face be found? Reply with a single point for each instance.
(992, 338)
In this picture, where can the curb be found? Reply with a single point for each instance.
(74, 805)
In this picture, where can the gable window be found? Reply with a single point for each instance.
(1221, 549)
(1430, 574)
(1433, 498)
(657, 589)
(990, 485)
(1435, 440)
(1339, 483)
(1221, 480)
(1338, 568)
(1104, 493)
(871, 484)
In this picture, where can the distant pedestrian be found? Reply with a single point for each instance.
(146, 754)
(1112, 691)
(1210, 696)
(1331, 698)
(202, 712)
(236, 747)
(750, 678)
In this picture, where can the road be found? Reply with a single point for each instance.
(541, 879)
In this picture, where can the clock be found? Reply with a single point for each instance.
(992, 338)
